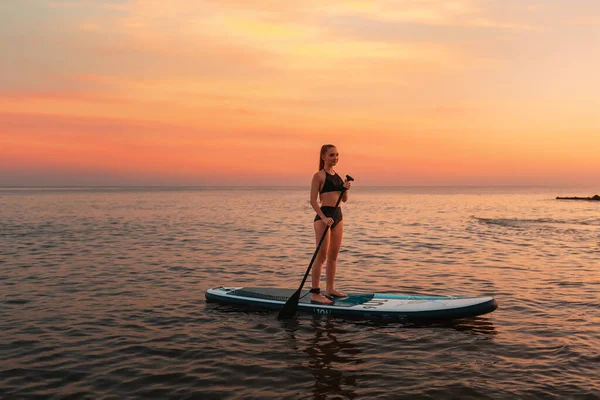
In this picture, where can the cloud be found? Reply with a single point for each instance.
(226, 47)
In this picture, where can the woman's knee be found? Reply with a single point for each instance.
(332, 257)
(322, 255)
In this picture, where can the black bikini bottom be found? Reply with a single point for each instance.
(331, 212)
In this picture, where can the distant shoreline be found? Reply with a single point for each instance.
(592, 198)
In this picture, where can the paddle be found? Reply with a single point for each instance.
(291, 306)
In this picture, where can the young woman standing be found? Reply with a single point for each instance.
(327, 186)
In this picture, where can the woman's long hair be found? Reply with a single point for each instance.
(324, 150)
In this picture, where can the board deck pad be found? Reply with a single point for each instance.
(386, 305)
(284, 295)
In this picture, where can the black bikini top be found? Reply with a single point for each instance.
(333, 183)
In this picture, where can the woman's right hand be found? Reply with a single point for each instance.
(328, 221)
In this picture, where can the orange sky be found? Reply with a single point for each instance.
(236, 92)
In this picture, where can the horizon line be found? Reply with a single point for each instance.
(279, 186)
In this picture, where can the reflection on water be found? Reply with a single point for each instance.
(333, 353)
(329, 359)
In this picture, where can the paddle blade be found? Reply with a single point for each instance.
(290, 307)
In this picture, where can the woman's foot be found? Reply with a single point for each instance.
(336, 293)
(320, 299)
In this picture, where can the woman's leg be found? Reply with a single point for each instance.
(319, 260)
(335, 243)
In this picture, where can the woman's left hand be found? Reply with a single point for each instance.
(347, 184)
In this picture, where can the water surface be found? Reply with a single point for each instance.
(103, 294)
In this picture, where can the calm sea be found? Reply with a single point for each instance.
(102, 294)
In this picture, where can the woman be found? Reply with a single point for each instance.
(327, 185)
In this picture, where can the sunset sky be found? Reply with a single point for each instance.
(242, 92)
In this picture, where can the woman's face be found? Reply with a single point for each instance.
(331, 157)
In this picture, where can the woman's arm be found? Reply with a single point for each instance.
(347, 185)
(317, 180)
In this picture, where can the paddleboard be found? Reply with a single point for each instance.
(378, 305)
